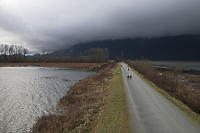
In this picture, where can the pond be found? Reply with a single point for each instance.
(27, 93)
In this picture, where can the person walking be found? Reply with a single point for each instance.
(130, 76)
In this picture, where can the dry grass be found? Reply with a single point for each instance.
(193, 81)
(170, 83)
(82, 104)
(194, 116)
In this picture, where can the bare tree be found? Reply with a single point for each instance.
(25, 51)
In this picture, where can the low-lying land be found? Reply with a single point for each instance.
(83, 66)
(95, 104)
(188, 77)
(180, 85)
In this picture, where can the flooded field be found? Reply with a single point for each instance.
(29, 92)
(188, 65)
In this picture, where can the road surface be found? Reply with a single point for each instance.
(151, 112)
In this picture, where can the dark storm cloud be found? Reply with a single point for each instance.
(51, 25)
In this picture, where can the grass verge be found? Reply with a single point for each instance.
(114, 116)
(186, 110)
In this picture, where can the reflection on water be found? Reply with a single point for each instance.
(29, 92)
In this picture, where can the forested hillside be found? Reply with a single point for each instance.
(164, 48)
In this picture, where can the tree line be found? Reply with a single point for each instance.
(12, 50)
(15, 53)
(12, 53)
(89, 55)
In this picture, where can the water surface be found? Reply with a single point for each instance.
(29, 92)
(189, 65)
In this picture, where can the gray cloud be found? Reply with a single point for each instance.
(52, 25)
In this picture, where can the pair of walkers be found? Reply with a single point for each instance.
(129, 76)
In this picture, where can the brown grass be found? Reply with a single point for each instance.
(81, 104)
(170, 83)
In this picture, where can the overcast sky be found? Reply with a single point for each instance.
(57, 24)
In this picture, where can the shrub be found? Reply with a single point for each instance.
(169, 82)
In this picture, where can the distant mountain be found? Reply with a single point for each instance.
(185, 47)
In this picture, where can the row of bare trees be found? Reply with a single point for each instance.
(14, 53)
(13, 50)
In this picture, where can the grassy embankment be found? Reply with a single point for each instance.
(170, 88)
(95, 104)
(114, 117)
